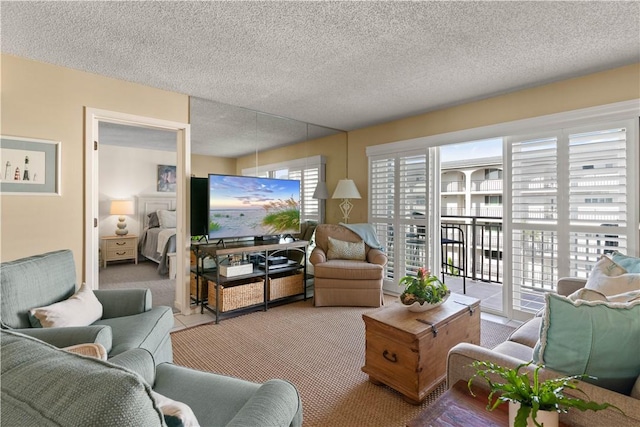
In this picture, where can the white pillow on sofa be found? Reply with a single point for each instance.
(610, 279)
(182, 413)
(81, 309)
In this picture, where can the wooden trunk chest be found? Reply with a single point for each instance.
(408, 351)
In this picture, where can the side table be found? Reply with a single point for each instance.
(116, 248)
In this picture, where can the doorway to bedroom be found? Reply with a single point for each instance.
(98, 205)
(137, 209)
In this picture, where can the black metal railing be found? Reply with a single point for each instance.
(478, 255)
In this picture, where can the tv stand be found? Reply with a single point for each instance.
(267, 284)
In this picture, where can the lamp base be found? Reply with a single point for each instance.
(346, 207)
(122, 227)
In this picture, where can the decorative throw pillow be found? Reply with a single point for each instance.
(339, 249)
(591, 295)
(176, 414)
(95, 350)
(595, 338)
(81, 309)
(629, 263)
(167, 219)
(609, 278)
(154, 222)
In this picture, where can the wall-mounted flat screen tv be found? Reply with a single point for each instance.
(244, 206)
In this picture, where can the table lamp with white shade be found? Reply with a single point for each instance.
(122, 208)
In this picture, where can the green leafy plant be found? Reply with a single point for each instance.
(532, 394)
(452, 270)
(423, 287)
(282, 215)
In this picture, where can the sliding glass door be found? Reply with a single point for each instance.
(569, 200)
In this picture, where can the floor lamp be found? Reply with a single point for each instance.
(345, 190)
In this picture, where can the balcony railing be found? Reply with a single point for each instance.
(477, 211)
(486, 185)
(452, 186)
(482, 248)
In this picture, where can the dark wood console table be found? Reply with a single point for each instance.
(267, 275)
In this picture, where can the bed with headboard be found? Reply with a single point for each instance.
(157, 219)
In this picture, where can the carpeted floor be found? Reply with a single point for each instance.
(320, 350)
(142, 275)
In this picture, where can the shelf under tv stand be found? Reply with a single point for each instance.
(229, 296)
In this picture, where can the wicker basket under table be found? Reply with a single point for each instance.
(237, 296)
(285, 286)
(203, 287)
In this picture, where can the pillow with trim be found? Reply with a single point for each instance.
(339, 249)
(629, 263)
(81, 309)
(595, 338)
(609, 278)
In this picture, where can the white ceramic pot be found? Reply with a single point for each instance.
(416, 307)
(544, 418)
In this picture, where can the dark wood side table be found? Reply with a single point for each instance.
(457, 407)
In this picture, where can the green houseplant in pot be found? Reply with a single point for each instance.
(531, 398)
(423, 291)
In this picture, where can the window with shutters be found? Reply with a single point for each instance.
(309, 171)
(569, 203)
(398, 196)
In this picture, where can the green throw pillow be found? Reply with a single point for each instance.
(629, 263)
(597, 338)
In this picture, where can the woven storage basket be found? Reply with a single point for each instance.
(285, 286)
(204, 285)
(237, 296)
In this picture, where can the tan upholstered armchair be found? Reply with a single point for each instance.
(346, 282)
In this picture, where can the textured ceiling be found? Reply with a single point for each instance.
(343, 65)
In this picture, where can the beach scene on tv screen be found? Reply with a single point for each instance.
(250, 206)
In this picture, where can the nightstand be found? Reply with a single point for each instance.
(116, 248)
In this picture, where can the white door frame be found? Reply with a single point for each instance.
(93, 117)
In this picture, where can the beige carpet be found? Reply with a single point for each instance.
(319, 349)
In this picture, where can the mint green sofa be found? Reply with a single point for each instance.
(43, 385)
(128, 320)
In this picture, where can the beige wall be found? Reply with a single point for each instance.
(47, 102)
(202, 166)
(620, 84)
(332, 147)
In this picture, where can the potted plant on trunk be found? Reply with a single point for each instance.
(423, 291)
(532, 402)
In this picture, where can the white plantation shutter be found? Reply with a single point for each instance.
(597, 196)
(534, 212)
(569, 203)
(398, 209)
(311, 206)
(412, 192)
(382, 207)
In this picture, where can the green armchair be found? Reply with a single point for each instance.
(128, 319)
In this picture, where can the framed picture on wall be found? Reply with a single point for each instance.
(29, 166)
(166, 179)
